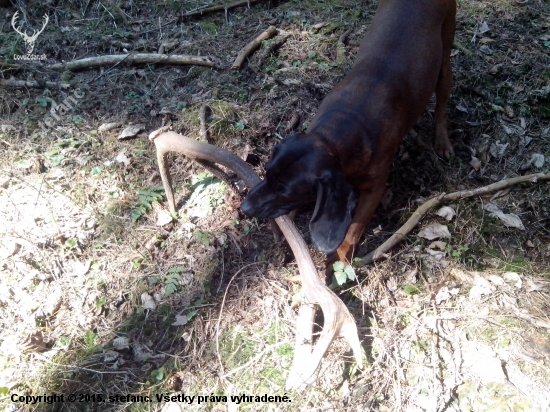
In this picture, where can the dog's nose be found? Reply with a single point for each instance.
(246, 207)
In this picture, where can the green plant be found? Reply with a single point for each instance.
(144, 201)
(202, 237)
(410, 289)
(173, 280)
(158, 374)
(42, 101)
(71, 243)
(96, 170)
(136, 263)
(55, 157)
(343, 273)
(89, 340)
(458, 252)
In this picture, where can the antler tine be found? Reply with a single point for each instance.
(13, 20)
(37, 32)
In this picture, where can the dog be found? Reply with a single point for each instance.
(343, 160)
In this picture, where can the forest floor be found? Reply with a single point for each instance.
(100, 297)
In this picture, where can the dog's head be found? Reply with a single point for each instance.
(302, 171)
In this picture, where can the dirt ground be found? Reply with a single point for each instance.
(103, 296)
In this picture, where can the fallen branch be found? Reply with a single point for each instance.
(253, 46)
(202, 118)
(341, 47)
(138, 58)
(338, 319)
(201, 11)
(459, 46)
(381, 251)
(270, 48)
(34, 84)
(9, 66)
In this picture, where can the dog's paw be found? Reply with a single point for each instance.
(443, 148)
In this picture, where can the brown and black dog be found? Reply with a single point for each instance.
(353, 138)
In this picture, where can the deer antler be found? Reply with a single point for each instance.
(13, 20)
(37, 32)
(338, 319)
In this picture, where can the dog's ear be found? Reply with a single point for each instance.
(336, 201)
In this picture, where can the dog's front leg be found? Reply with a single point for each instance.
(366, 206)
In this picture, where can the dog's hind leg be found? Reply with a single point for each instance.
(443, 145)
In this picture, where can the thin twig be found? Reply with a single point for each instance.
(457, 45)
(202, 118)
(255, 358)
(381, 251)
(34, 84)
(253, 46)
(95, 79)
(9, 66)
(270, 48)
(80, 368)
(201, 11)
(341, 47)
(138, 58)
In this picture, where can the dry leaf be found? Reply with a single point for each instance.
(482, 362)
(122, 158)
(475, 163)
(438, 244)
(131, 131)
(442, 295)
(513, 277)
(498, 149)
(147, 302)
(181, 320)
(496, 280)
(163, 217)
(485, 40)
(110, 356)
(509, 219)
(484, 27)
(446, 212)
(482, 287)
(461, 108)
(121, 343)
(536, 160)
(105, 127)
(434, 231)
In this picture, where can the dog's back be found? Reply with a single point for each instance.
(395, 73)
(353, 138)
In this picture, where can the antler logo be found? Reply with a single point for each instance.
(29, 40)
